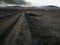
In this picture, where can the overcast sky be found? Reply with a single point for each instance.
(44, 2)
(33, 2)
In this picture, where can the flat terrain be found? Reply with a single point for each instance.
(29, 27)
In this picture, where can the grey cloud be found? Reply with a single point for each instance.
(14, 1)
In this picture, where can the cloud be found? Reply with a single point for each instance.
(21, 2)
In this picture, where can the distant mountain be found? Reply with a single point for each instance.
(49, 7)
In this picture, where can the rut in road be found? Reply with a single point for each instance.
(28, 30)
(41, 33)
(36, 32)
